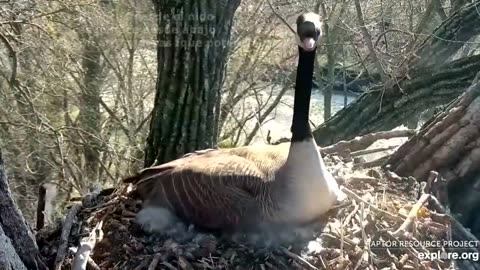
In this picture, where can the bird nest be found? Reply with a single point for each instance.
(381, 225)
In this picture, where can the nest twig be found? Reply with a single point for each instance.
(380, 209)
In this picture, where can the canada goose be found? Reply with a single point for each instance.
(247, 186)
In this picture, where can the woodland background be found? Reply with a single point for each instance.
(81, 85)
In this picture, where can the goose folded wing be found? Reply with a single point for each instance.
(215, 189)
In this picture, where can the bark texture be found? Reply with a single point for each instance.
(449, 144)
(450, 36)
(192, 49)
(9, 259)
(90, 115)
(381, 110)
(434, 83)
(14, 231)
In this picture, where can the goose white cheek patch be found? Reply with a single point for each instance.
(309, 44)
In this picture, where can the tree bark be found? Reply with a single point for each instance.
(380, 110)
(14, 227)
(450, 36)
(449, 144)
(90, 115)
(9, 259)
(434, 83)
(192, 51)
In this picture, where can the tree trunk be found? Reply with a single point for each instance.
(9, 259)
(384, 109)
(450, 145)
(192, 49)
(90, 116)
(15, 233)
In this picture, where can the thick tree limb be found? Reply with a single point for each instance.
(448, 143)
(384, 109)
(450, 36)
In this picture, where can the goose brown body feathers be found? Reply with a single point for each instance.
(247, 186)
(225, 188)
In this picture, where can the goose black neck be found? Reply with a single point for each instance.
(303, 89)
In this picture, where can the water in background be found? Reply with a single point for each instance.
(280, 120)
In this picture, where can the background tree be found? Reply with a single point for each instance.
(78, 80)
(193, 42)
(76, 117)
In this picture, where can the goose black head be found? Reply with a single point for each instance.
(309, 31)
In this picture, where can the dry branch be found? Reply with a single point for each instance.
(280, 16)
(66, 229)
(154, 263)
(299, 259)
(357, 198)
(370, 164)
(411, 216)
(371, 151)
(362, 142)
(87, 244)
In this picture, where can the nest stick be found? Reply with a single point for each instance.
(154, 263)
(66, 228)
(86, 246)
(93, 264)
(299, 259)
(349, 217)
(412, 215)
(371, 151)
(379, 211)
